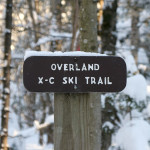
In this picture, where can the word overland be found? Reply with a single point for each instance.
(75, 67)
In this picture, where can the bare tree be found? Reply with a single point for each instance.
(135, 37)
(75, 23)
(109, 28)
(108, 46)
(35, 26)
(6, 77)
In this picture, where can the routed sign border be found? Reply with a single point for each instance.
(74, 74)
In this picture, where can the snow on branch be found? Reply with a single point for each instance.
(52, 37)
(49, 121)
(31, 131)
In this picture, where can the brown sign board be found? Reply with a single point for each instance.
(74, 74)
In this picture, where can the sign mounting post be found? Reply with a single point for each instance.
(73, 78)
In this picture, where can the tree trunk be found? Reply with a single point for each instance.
(100, 14)
(108, 29)
(42, 97)
(35, 29)
(75, 23)
(56, 10)
(135, 38)
(6, 75)
(108, 47)
(78, 116)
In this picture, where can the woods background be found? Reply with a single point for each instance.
(122, 28)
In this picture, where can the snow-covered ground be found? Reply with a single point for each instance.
(27, 139)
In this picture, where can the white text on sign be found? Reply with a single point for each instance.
(74, 80)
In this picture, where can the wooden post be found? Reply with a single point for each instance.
(78, 116)
(77, 121)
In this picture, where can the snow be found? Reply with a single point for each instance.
(136, 87)
(142, 57)
(144, 24)
(134, 114)
(6, 108)
(142, 67)
(59, 53)
(52, 37)
(148, 90)
(134, 135)
(130, 62)
(28, 137)
(42, 40)
(4, 64)
(49, 120)
(60, 34)
(16, 56)
(7, 31)
(6, 90)
(124, 23)
(28, 140)
(38, 147)
(32, 143)
(31, 131)
(144, 15)
(147, 110)
(2, 79)
(108, 124)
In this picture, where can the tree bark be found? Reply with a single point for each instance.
(57, 10)
(135, 38)
(6, 75)
(108, 47)
(35, 27)
(75, 23)
(100, 14)
(109, 28)
(78, 116)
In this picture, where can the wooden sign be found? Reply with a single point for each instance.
(74, 74)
